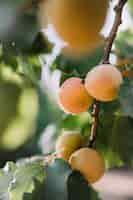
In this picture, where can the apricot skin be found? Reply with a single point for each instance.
(73, 96)
(77, 22)
(67, 143)
(89, 162)
(103, 82)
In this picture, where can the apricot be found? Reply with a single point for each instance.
(103, 82)
(89, 163)
(77, 22)
(73, 96)
(67, 143)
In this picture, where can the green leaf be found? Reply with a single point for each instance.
(104, 140)
(64, 184)
(114, 140)
(56, 182)
(37, 193)
(76, 122)
(24, 180)
(30, 67)
(124, 44)
(78, 67)
(121, 141)
(130, 4)
(6, 176)
(126, 98)
(8, 109)
(78, 188)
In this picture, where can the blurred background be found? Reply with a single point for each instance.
(31, 71)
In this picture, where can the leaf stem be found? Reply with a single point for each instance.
(108, 47)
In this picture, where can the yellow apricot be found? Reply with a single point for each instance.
(103, 82)
(67, 143)
(89, 162)
(73, 96)
(77, 22)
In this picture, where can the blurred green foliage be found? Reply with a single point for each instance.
(27, 110)
(130, 3)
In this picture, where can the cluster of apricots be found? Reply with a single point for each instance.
(71, 146)
(79, 24)
(101, 83)
(76, 96)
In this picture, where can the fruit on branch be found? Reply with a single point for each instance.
(103, 82)
(74, 97)
(77, 22)
(67, 143)
(89, 162)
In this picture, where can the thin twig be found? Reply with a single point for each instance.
(96, 108)
(118, 20)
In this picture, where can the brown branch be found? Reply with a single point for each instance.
(118, 20)
(96, 108)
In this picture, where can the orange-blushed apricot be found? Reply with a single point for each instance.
(77, 22)
(73, 96)
(89, 163)
(103, 82)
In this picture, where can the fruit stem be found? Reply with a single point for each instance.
(107, 51)
(95, 115)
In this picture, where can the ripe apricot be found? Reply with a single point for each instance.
(103, 82)
(74, 97)
(67, 143)
(89, 162)
(77, 22)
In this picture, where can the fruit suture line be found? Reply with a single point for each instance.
(96, 107)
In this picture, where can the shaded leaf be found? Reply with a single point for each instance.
(121, 141)
(37, 193)
(76, 122)
(79, 189)
(124, 44)
(104, 141)
(78, 67)
(126, 98)
(56, 182)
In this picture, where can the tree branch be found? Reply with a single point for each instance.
(118, 20)
(96, 107)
